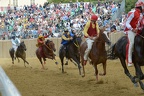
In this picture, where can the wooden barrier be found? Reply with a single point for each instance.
(5, 45)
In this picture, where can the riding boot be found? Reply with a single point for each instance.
(66, 50)
(15, 55)
(86, 56)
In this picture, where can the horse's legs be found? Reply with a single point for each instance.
(78, 63)
(138, 71)
(141, 85)
(55, 59)
(25, 61)
(73, 62)
(122, 60)
(62, 64)
(18, 59)
(104, 69)
(139, 75)
(44, 59)
(40, 59)
(83, 69)
(66, 61)
(96, 71)
(12, 60)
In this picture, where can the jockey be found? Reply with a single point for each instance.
(91, 32)
(15, 42)
(40, 43)
(132, 25)
(66, 37)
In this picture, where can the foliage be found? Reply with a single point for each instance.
(130, 4)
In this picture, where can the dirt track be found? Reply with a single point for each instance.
(51, 82)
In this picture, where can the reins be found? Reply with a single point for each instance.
(141, 36)
(48, 47)
(77, 45)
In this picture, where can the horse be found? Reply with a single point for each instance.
(98, 52)
(71, 53)
(20, 53)
(119, 50)
(48, 52)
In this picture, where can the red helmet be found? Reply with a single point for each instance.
(139, 3)
(94, 17)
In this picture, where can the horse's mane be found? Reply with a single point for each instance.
(21, 47)
(77, 40)
(101, 30)
(47, 41)
(139, 40)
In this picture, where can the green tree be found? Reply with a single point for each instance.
(129, 4)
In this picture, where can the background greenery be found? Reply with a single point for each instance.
(129, 4)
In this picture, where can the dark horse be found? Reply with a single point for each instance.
(48, 52)
(119, 50)
(20, 53)
(98, 53)
(71, 53)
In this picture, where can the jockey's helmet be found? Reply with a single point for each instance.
(139, 3)
(17, 35)
(65, 30)
(13, 36)
(94, 17)
(40, 36)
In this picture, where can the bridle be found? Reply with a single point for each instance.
(76, 43)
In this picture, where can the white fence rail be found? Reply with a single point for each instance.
(7, 88)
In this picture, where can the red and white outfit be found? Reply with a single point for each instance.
(133, 22)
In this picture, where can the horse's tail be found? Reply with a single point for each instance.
(111, 54)
(11, 52)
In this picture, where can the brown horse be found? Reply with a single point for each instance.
(97, 54)
(20, 53)
(48, 52)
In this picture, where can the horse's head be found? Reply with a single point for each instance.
(77, 40)
(23, 46)
(50, 44)
(103, 36)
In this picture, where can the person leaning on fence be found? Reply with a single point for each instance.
(132, 25)
(91, 32)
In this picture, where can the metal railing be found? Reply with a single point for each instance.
(7, 88)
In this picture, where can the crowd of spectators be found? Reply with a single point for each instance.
(30, 21)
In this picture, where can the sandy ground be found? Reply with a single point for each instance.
(51, 82)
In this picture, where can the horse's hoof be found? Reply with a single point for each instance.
(56, 63)
(135, 84)
(83, 75)
(42, 68)
(59, 68)
(137, 79)
(64, 72)
(101, 74)
(66, 63)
